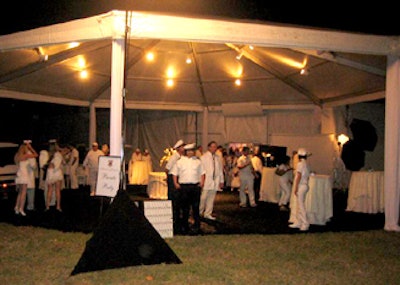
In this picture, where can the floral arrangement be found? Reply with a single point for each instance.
(168, 152)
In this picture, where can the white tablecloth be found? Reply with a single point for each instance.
(366, 192)
(269, 188)
(319, 202)
(140, 173)
(157, 187)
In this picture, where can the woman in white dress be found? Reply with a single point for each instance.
(24, 174)
(55, 175)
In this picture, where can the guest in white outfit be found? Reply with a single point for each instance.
(174, 195)
(30, 191)
(188, 175)
(73, 164)
(149, 163)
(285, 183)
(91, 161)
(257, 163)
(43, 160)
(246, 174)
(214, 180)
(105, 148)
(300, 188)
(54, 175)
(24, 175)
(136, 156)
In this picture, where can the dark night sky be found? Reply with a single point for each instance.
(364, 18)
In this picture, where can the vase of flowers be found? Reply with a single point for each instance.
(168, 152)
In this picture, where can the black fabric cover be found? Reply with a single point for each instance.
(353, 156)
(124, 238)
(364, 133)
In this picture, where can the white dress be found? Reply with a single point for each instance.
(23, 176)
(56, 173)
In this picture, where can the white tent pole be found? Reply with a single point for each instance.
(92, 124)
(204, 135)
(117, 80)
(392, 143)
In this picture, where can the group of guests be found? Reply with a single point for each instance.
(139, 167)
(55, 168)
(192, 184)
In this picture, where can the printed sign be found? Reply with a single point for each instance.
(108, 177)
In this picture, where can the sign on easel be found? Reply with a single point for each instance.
(108, 177)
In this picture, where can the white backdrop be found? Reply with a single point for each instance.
(322, 148)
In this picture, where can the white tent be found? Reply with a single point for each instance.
(343, 68)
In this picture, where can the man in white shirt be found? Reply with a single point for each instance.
(189, 176)
(214, 180)
(92, 162)
(173, 195)
(258, 167)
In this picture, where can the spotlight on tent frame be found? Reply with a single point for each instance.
(304, 71)
(42, 55)
(239, 56)
(150, 56)
(238, 82)
(170, 83)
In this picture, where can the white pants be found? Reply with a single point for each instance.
(301, 214)
(286, 189)
(30, 198)
(247, 182)
(207, 202)
(73, 176)
(92, 180)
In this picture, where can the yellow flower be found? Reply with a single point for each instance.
(167, 154)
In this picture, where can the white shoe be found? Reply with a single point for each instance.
(209, 217)
(294, 226)
(303, 229)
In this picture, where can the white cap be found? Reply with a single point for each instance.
(52, 141)
(190, 146)
(178, 144)
(302, 152)
(27, 141)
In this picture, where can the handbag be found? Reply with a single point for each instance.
(279, 171)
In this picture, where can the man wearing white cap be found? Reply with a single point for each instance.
(173, 196)
(300, 189)
(189, 176)
(92, 162)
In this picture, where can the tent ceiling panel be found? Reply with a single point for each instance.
(265, 91)
(150, 91)
(334, 80)
(270, 73)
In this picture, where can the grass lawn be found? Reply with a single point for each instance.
(33, 255)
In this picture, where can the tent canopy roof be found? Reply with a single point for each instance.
(42, 65)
